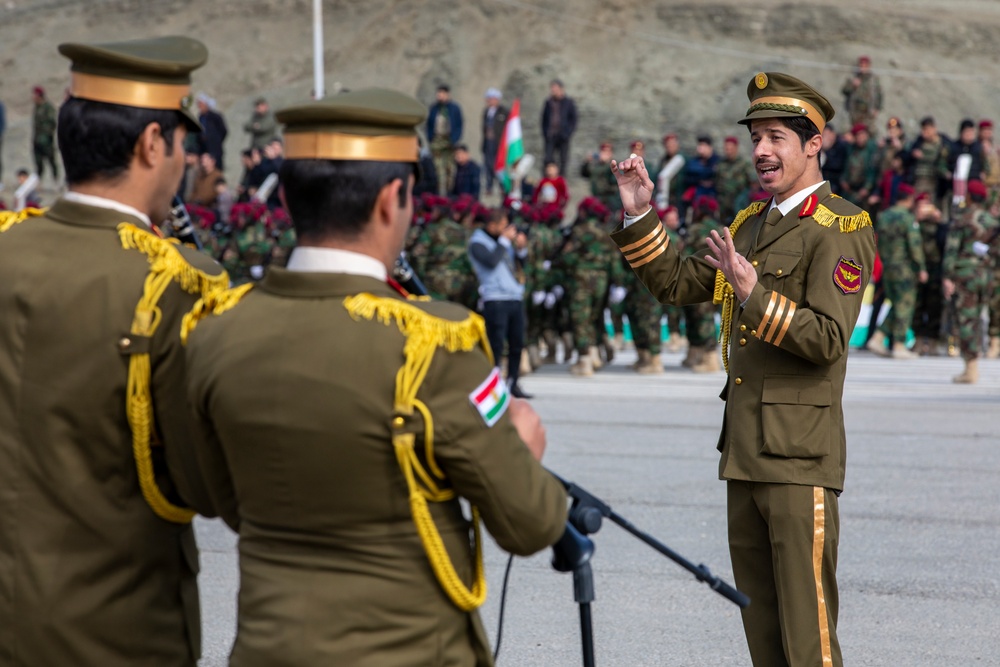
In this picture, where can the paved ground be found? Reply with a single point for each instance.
(920, 523)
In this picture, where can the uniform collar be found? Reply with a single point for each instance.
(104, 202)
(310, 259)
(793, 202)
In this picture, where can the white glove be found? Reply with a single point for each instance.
(558, 292)
(616, 294)
(550, 301)
(979, 249)
(546, 265)
(537, 298)
(256, 271)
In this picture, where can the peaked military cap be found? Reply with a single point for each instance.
(145, 73)
(369, 124)
(777, 95)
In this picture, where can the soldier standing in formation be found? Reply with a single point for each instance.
(733, 176)
(929, 304)
(344, 485)
(699, 318)
(43, 134)
(900, 246)
(863, 94)
(973, 244)
(790, 274)
(97, 460)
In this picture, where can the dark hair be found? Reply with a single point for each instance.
(22, 172)
(927, 120)
(800, 125)
(496, 215)
(97, 140)
(966, 124)
(335, 198)
(704, 139)
(444, 87)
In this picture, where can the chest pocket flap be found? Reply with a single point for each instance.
(797, 390)
(780, 263)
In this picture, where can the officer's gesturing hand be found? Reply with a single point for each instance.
(634, 185)
(734, 266)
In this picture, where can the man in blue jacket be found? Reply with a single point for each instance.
(444, 132)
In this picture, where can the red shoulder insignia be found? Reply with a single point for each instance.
(809, 206)
(847, 275)
(398, 288)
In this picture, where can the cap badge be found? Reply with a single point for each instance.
(761, 81)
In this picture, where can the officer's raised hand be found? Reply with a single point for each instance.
(634, 185)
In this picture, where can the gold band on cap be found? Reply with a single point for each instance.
(129, 93)
(338, 146)
(811, 112)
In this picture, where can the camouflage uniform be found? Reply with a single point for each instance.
(930, 303)
(43, 138)
(860, 173)
(542, 275)
(603, 183)
(970, 271)
(447, 272)
(732, 180)
(699, 318)
(587, 256)
(925, 168)
(643, 310)
(901, 248)
(864, 101)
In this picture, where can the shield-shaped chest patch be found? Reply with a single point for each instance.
(847, 275)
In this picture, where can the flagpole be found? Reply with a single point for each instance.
(318, 76)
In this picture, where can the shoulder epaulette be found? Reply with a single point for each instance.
(165, 258)
(213, 303)
(425, 332)
(847, 223)
(9, 218)
(753, 209)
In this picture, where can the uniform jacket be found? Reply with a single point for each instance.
(784, 419)
(294, 397)
(89, 575)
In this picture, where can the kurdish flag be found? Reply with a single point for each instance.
(511, 147)
(491, 398)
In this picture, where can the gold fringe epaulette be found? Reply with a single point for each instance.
(166, 265)
(847, 223)
(214, 303)
(425, 333)
(723, 292)
(9, 218)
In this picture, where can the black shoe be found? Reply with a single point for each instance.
(517, 392)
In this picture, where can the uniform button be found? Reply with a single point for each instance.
(124, 343)
(738, 380)
(755, 262)
(753, 333)
(743, 327)
(398, 422)
(778, 272)
(743, 341)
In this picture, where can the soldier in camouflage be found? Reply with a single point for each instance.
(861, 169)
(446, 270)
(733, 176)
(925, 157)
(597, 169)
(930, 304)
(587, 256)
(973, 244)
(863, 94)
(542, 274)
(703, 348)
(901, 248)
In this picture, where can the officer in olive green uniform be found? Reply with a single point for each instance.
(342, 471)
(98, 564)
(790, 274)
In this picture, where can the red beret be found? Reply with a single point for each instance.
(977, 189)
(38, 90)
(731, 140)
(605, 144)
(864, 59)
(859, 127)
(923, 196)
(636, 144)
(705, 203)
(904, 190)
(669, 136)
(594, 207)
(984, 124)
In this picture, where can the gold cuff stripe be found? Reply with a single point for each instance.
(645, 239)
(129, 93)
(776, 320)
(649, 258)
(811, 112)
(338, 146)
(646, 249)
(788, 320)
(819, 537)
(767, 314)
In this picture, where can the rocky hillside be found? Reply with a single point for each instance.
(636, 68)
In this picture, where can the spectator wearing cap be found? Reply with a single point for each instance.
(444, 132)
(892, 144)
(466, 180)
(965, 144)
(861, 169)
(559, 118)
(833, 158)
(900, 247)
(597, 169)
(925, 159)
(863, 94)
(699, 172)
(214, 129)
(733, 176)
(668, 187)
(262, 127)
(494, 121)
(991, 154)
(43, 134)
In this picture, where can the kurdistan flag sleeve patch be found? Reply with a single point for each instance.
(490, 398)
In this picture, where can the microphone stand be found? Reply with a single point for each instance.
(573, 551)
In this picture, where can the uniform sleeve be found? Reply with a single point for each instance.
(819, 328)
(915, 242)
(522, 505)
(671, 279)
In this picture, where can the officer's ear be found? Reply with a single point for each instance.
(151, 146)
(814, 145)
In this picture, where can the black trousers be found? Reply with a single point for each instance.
(505, 324)
(557, 150)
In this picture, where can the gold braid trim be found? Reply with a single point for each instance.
(213, 303)
(424, 334)
(847, 223)
(166, 265)
(723, 292)
(8, 219)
